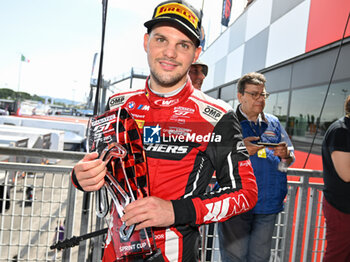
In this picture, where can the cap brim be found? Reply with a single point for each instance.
(189, 32)
(205, 69)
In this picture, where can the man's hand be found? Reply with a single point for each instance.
(252, 148)
(149, 212)
(90, 172)
(281, 150)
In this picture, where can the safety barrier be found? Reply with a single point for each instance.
(39, 206)
(33, 211)
(299, 233)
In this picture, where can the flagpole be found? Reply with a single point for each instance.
(18, 86)
(19, 74)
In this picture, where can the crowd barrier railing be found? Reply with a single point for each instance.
(39, 206)
(300, 229)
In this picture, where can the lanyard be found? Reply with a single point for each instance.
(252, 126)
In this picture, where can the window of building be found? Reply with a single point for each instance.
(233, 103)
(214, 94)
(228, 93)
(277, 104)
(305, 110)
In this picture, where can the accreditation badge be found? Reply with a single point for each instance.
(262, 153)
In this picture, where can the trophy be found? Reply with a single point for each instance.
(117, 139)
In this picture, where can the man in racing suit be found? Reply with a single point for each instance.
(186, 135)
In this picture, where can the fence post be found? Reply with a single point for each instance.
(310, 225)
(204, 243)
(97, 241)
(292, 192)
(68, 227)
(84, 224)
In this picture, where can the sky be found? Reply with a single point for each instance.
(60, 38)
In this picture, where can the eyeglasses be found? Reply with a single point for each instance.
(256, 95)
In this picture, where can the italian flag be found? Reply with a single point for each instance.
(24, 59)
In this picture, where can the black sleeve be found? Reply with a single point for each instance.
(238, 190)
(339, 140)
(75, 181)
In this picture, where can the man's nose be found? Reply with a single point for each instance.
(170, 51)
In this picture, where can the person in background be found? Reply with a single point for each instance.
(336, 176)
(248, 237)
(198, 71)
(179, 171)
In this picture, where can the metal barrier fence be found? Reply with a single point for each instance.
(39, 206)
(299, 233)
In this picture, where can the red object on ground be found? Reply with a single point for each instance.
(314, 162)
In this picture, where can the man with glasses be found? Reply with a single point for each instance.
(248, 237)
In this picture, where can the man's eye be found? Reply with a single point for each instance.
(185, 46)
(159, 39)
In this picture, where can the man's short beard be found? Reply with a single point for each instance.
(167, 83)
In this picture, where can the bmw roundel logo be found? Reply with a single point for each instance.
(131, 105)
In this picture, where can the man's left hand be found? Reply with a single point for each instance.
(149, 212)
(281, 150)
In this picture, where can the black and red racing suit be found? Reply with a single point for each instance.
(187, 137)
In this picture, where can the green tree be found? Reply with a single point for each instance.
(6, 93)
(38, 98)
(23, 95)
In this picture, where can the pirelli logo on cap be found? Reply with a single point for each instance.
(178, 9)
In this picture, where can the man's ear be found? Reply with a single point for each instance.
(239, 96)
(197, 53)
(145, 42)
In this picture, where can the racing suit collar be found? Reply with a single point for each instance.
(157, 101)
(172, 93)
